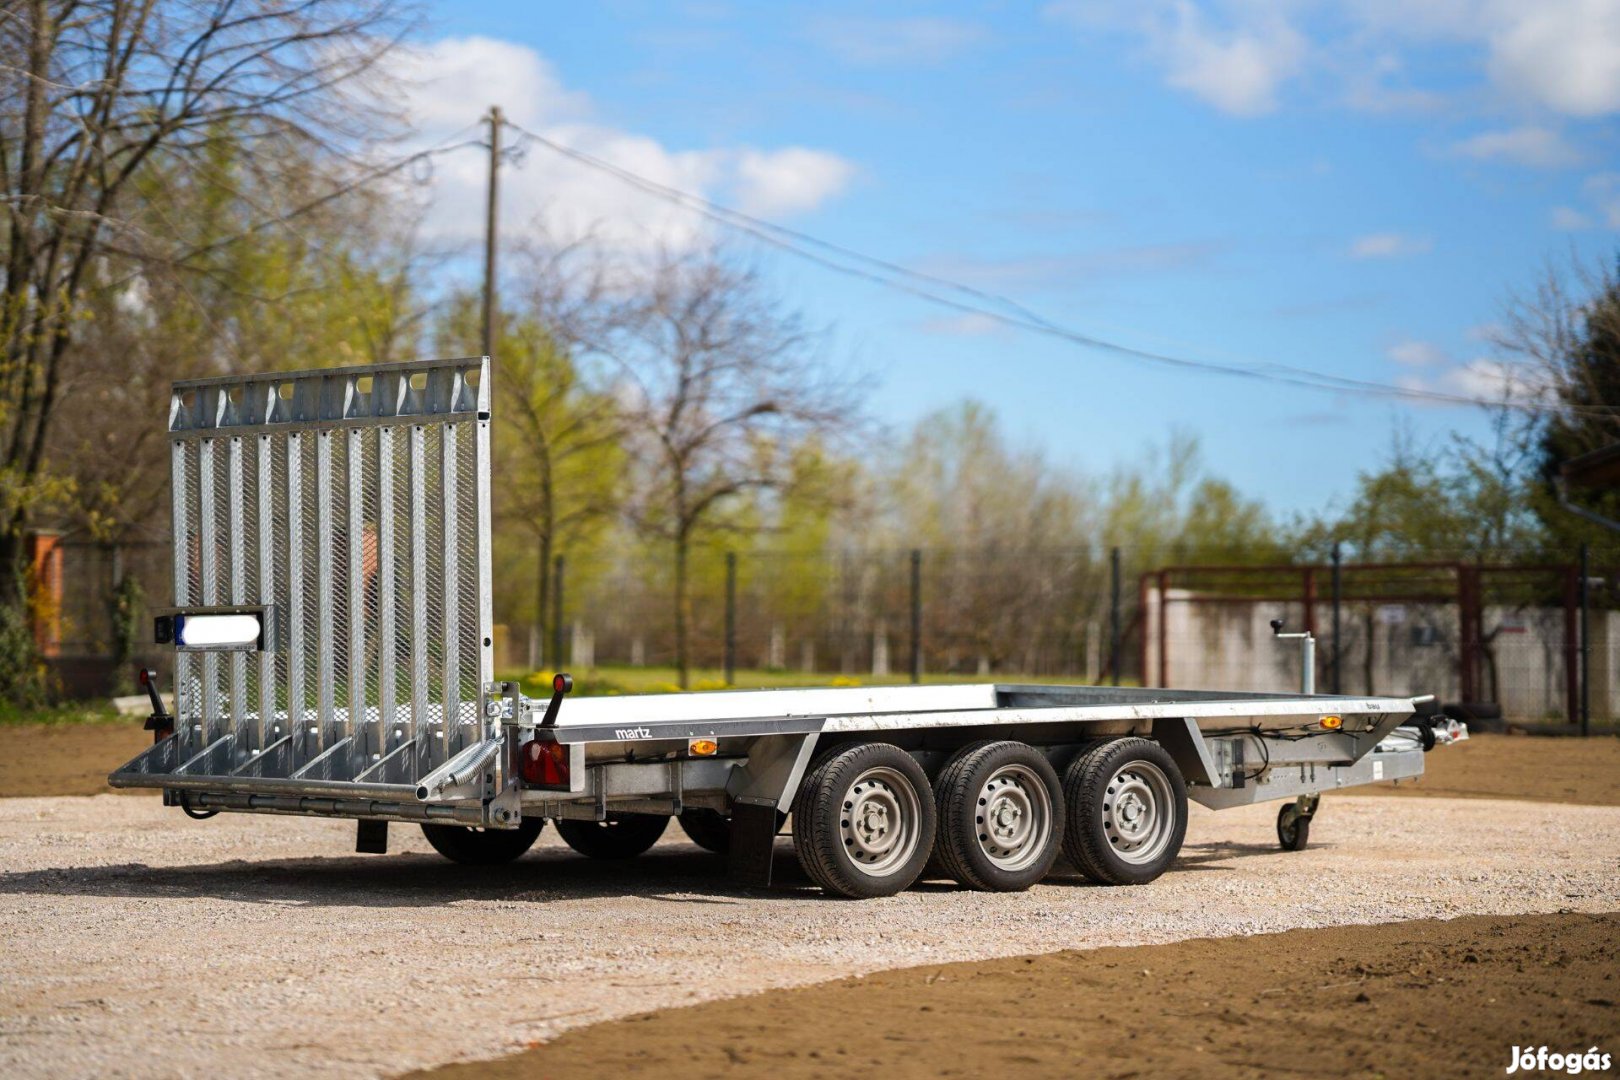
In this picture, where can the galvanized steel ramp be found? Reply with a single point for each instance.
(349, 509)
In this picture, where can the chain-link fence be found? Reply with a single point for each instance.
(1505, 635)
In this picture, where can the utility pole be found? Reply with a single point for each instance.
(495, 123)
(1586, 642)
(1338, 597)
(1113, 618)
(731, 619)
(916, 615)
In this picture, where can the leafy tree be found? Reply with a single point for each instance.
(1005, 533)
(94, 96)
(558, 453)
(1169, 509)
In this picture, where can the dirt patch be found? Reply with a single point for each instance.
(1428, 998)
(1541, 769)
(66, 759)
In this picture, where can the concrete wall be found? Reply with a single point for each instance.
(1388, 649)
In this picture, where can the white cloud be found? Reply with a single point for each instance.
(1418, 354)
(448, 84)
(1482, 380)
(1561, 56)
(1429, 369)
(970, 324)
(1564, 54)
(875, 42)
(1237, 70)
(1529, 145)
(1604, 191)
(1236, 64)
(1388, 245)
(774, 183)
(1569, 219)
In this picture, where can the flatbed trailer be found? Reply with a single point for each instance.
(333, 639)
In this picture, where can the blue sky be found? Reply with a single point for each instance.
(1351, 187)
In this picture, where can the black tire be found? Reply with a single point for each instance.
(1127, 841)
(998, 790)
(483, 847)
(1293, 830)
(874, 793)
(708, 829)
(621, 836)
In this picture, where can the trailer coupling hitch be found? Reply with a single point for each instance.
(562, 684)
(160, 723)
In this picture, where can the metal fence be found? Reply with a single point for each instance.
(1505, 634)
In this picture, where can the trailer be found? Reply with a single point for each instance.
(332, 635)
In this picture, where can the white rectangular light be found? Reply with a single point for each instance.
(218, 631)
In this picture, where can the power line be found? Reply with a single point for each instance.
(894, 276)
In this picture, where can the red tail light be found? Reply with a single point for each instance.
(545, 764)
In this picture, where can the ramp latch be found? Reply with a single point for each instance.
(561, 684)
(160, 723)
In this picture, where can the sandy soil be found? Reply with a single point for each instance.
(1540, 769)
(140, 943)
(75, 760)
(1360, 1001)
(65, 759)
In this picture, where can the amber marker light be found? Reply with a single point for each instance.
(702, 747)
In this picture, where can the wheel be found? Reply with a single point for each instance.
(1000, 816)
(621, 836)
(483, 847)
(708, 829)
(1293, 828)
(1127, 812)
(863, 821)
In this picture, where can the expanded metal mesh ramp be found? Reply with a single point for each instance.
(352, 505)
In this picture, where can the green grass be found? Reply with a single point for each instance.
(613, 679)
(73, 712)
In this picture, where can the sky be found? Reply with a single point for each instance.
(1352, 187)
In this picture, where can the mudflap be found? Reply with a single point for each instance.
(371, 837)
(753, 841)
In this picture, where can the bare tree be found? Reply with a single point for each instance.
(1007, 533)
(97, 98)
(720, 383)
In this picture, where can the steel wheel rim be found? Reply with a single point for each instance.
(1139, 812)
(879, 820)
(1013, 817)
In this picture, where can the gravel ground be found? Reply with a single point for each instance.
(137, 942)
